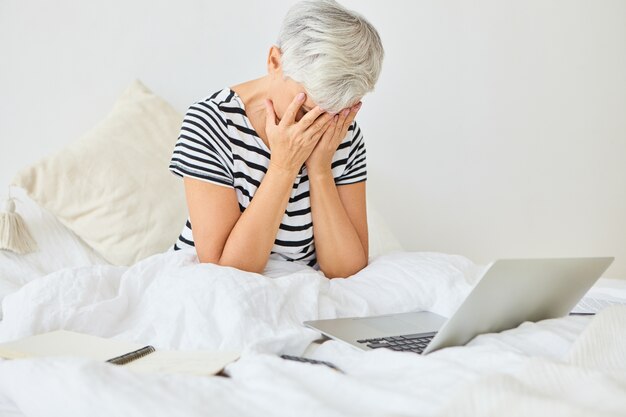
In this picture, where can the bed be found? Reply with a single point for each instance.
(573, 365)
(171, 301)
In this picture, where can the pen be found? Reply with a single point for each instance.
(131, 356)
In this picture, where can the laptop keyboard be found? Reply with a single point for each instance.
(406, 343)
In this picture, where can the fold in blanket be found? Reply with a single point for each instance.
(172, 302)
(591, 381)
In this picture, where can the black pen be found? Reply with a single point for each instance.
(131, 356)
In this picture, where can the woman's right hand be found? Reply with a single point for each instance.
(292, 142)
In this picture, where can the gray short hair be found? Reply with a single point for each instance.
(334, 52)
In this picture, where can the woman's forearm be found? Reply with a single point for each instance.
(340, 252)
(250, 242)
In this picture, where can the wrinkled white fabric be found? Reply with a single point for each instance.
(171, 301)
(375, 383)
(589, 381)
(58, 247)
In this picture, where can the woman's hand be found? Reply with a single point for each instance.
(321, 157)
(292, 142)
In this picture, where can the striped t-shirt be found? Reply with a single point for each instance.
(218, 144)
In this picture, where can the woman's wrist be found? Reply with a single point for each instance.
(282, 171)
(319, 173)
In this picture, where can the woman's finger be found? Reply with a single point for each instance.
(327, 132)
(310, 118)
(353, 111)
(349, 118)
(332, 129)
(290, 114)
(319, 124)
(270, 114)
(342, 122)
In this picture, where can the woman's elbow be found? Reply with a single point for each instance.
(222, 261)
(332, 273)
(208, 258)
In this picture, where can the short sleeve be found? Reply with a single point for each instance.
(356, 167)
(203, 149)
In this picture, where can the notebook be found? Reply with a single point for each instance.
(137, 357)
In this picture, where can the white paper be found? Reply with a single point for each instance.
(189, 362)
(66, 343)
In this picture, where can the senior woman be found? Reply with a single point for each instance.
(275, 167)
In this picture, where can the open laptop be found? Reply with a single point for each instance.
(510, 292)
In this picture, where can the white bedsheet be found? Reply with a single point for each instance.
(171, 301)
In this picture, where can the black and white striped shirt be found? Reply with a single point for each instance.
(218, 144)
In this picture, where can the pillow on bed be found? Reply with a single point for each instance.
(112, 187)
(58, 248)
(380, 238)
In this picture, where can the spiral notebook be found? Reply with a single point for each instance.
(140, 358)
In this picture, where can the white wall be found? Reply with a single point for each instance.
(498, 128)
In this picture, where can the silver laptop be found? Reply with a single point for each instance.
(510, 292)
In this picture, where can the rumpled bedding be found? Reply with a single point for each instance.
(172, 302)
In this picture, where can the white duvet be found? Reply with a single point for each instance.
(171, 301)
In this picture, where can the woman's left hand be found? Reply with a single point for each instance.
(321, 158)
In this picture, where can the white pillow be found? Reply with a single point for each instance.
(112, 187)
(381, 238)
(58, 248)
